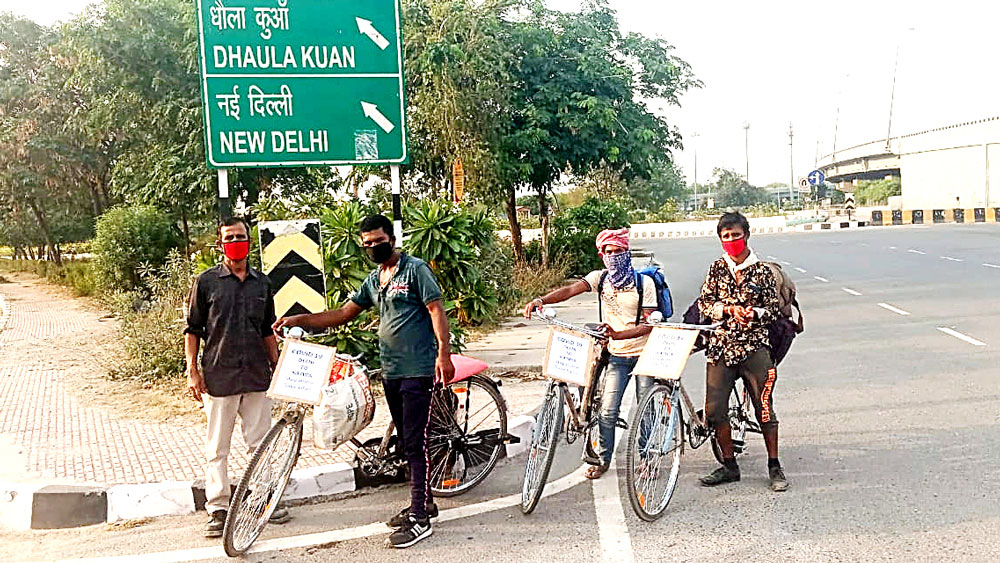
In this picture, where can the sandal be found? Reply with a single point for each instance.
(595, 471)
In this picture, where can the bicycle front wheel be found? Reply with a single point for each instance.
(261, 486)
(542, 450)
(653, 459)
(465, 438)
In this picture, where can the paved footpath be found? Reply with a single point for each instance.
(55, 432)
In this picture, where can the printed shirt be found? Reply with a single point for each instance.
(233, 317)
(733, 342)
(407, 345)
(620, 309)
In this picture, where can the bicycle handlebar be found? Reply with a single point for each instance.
(600, 335)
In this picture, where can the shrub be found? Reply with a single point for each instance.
(128, 240)
(152, 322)
(574, 231)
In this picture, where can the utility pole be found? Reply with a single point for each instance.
(791, 165)
(695, 143)
(746, 146)
(892, 96)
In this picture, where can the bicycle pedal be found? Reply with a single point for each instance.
(620, 423)
(511, 439)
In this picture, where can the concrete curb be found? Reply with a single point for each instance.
(40, 506)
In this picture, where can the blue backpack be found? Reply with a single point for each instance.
(664, 303)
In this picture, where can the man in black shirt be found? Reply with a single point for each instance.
(231, 308)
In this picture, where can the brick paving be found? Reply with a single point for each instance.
(42, 335)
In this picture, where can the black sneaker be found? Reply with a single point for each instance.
(778, 481)
(215, 525)
(411, 532)
(400, 519)
(720, 476)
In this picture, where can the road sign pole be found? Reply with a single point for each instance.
(397, 211)
(225, 209)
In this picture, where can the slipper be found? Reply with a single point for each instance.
(595, 471)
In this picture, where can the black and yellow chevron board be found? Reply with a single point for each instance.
(292, 256)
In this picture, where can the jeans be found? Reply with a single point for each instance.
(616, 378)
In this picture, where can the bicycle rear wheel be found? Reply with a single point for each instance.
(465, 438)
(543, 447)
(737, 421)
(654, 452)
(261, 486)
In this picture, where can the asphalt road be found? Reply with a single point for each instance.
(890, 436)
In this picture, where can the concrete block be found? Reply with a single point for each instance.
(320, 481)
(129, 502)
(68, 506)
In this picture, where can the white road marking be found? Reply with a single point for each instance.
(961, 336)
(308, 540)
(952, 259)
(824, 280)
(786, 263)
(616, 545)
(916, 251)
(896, 310)
(991, 265)
(769, 257)
(851, 291)
(800, 270)
(892, 248)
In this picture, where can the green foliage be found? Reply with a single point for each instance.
(130, 239)
(877, 192)
(733, 190)
(455, 241)
(77, 275)
(574, 231)
(152, 322)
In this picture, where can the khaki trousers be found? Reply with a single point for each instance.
(254, 410)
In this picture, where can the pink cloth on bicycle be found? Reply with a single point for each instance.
(466, 367)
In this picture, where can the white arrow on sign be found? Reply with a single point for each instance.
(365, 27)
(372, 112)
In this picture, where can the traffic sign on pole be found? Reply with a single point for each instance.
(816, 178)
(302, 82)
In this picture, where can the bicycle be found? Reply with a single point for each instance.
(657, 431)
(549, 421)
(466, 436)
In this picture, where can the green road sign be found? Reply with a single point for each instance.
(302, 82)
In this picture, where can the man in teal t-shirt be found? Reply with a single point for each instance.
(414, 346)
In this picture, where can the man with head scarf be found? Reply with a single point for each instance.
(621, 307)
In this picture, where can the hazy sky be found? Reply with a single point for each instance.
(772, 62)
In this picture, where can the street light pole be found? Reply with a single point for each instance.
(695, 143)
(746, 146)
(892, 95)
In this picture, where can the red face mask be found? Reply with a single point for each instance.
(734, 247)
(236, 250)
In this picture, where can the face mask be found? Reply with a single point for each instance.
(236, 250)
(380, 252)
(619, 268)
(734, 247)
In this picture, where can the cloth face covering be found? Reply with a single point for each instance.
(734, 247)
(620, 271)
(236, 250)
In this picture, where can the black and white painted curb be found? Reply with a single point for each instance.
(47, 506)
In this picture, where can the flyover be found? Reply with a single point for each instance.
(945, 167)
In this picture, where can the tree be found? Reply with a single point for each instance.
(732, 189)
(666, 183)
(577, 101)
(877, 192)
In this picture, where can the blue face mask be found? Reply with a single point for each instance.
(620, 272)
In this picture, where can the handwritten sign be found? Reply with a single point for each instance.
(569, 356)
(666, 352)
(303, 369)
